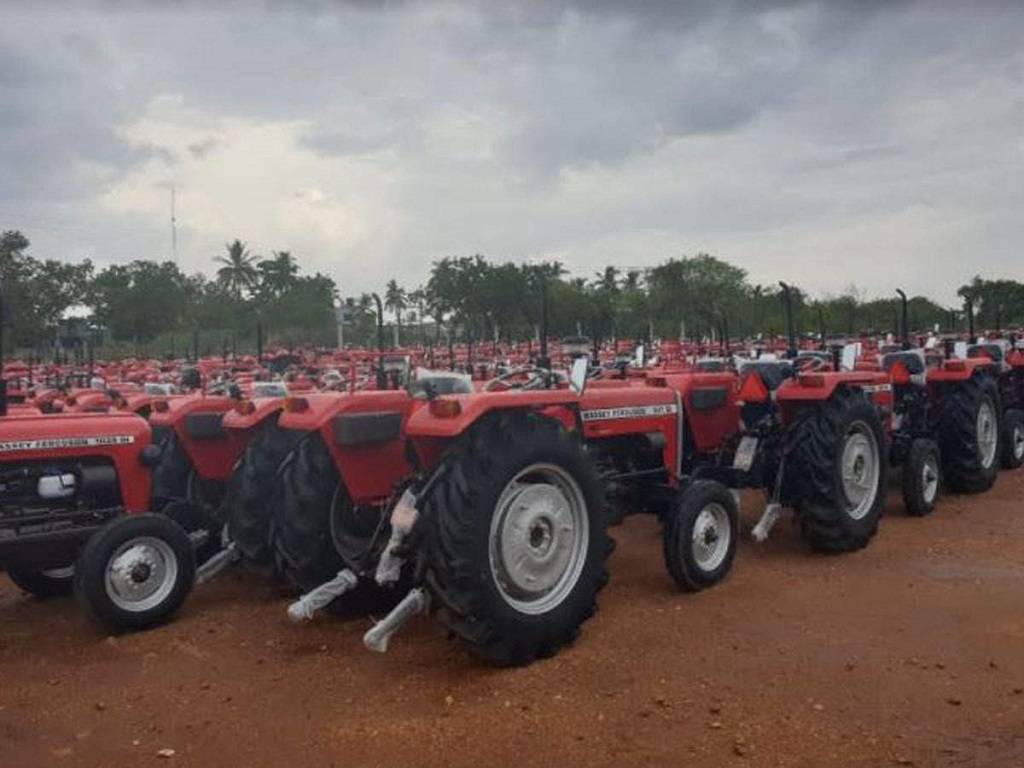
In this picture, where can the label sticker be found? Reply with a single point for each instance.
(629, 412)
(57, 443)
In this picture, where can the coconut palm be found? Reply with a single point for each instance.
(395, 301)
(237, 272)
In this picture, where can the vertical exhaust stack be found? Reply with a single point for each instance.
(904, 325)
(259, 342)
(969, 308)
(787, 306)
(381, 379)
(3, 379)
(543, 361)
(821, 327)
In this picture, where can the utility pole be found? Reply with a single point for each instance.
(174, 229)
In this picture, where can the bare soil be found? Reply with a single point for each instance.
(910, 652)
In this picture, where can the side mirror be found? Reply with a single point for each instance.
(578, 374)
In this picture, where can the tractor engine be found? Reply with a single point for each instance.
(49, 496)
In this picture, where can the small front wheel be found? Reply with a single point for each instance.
(43, 583)
(699, 538)
(921, 476)
(1013, 438)
(135, 572)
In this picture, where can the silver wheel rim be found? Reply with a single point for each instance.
(141, 574)
(712, 535)
(986, 428)
(59, 574)
(1018, 441)
(539, 536)
(860, 470)
(930, 479)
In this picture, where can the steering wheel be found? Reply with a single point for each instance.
(525, 377)
(809, 364)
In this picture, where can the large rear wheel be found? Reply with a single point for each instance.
(519, 539)
(969, 434)
(301, 531)
(835, 476)
(254, 491)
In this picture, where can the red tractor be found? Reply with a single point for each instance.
(493, 504)
(74, 490)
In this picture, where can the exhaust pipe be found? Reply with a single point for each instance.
(544, 361)
(904, 326)
(787, 305)
(969, 308)
(3, 379)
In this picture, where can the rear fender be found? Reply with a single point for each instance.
(709, 400)
(197, 424)
(263, 408)
(960, 369)
(473, 407)
(365, 436)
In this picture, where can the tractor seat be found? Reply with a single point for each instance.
(913, 361)
(992, 351)
(772, 373)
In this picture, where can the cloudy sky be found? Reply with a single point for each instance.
(821, 143)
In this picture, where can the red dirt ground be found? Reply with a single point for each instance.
(908, 653)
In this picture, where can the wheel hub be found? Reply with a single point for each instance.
(860, 467)
(929, 480)
(986, 429)
(141, 574)
(539, 536)
(1018, 441)
(712, 536)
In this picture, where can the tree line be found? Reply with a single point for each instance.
(153, 307)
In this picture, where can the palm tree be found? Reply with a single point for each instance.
(394, 300)
(277, 275)
(237, 273)
(608, 279)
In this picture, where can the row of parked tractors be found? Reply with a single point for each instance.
(488, 504)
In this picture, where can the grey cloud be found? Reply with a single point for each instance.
(809, 112)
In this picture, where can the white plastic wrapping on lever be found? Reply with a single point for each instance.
(378, 636)
(306, 606)
(403, 518)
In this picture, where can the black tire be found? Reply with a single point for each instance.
(1013, 438)
(170, 474)
(43, 583)
(254, 491)
(963, 463)
(815, 442)
(480, 467)
(683, 554)
(91, 586)
(922, 476)
(301, 536)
